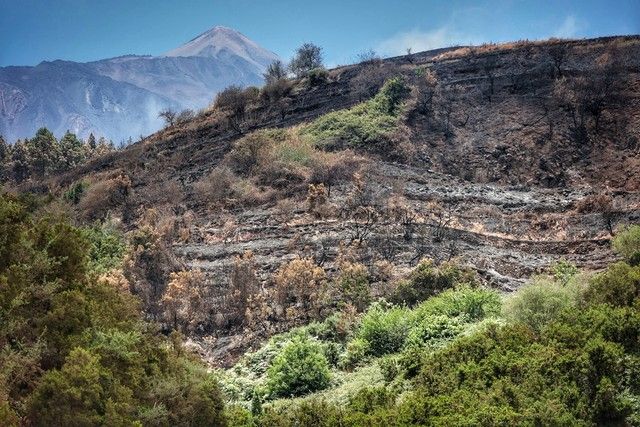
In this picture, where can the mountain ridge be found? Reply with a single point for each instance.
(151, 82)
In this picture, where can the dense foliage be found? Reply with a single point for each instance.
(563, 350)
(300, 368)
(73, 348)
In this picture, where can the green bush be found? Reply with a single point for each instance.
(237, 416)
(106, 246)
(390, 367)
(368, 123)
(384, 328)
(627, 244)
(392, 94)
(427, 280)
(564, 271)
(299, 369)
(618, 285)
(75, 192)
(472, 304)
(74, 350)
(317, 76)
(539, 303)
(353, 283)
(568, 353)
(355, 353)
(434, 330)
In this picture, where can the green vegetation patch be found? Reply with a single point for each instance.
(369, 123)
(74, 350)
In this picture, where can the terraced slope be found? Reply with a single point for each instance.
(500, 169)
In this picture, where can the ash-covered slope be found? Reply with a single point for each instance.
(121, 97)
(496, 159)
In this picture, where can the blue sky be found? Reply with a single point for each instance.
(82, 30)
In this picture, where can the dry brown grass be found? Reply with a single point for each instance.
(487, 48)
(105, 195)
(216, 187)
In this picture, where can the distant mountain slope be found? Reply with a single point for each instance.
(220, 42)
(121, 97)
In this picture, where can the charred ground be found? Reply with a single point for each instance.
(505, 157)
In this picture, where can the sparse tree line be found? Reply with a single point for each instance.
(43, 155)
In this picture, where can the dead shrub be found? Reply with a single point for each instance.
(371, 78)
(331, 169)
(300, 287)
(215, 187)
(183, 302)
(117, 280)
(246, 193)
(164, 192)
(276, 90)
(243, 283)
(259, 313)
(285, 209)
(249, 151)
(235, 101)
(316, 198)
(106, 196)
(602, 204)
(150, 260)
(594, 203)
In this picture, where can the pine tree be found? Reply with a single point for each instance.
(19, 162)
(91, 142)
(4, 149)
(5, 153)
(43, 151)
(72, 152)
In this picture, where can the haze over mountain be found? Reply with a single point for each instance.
(120, 97)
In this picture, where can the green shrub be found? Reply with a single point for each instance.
(368, 123)
(355, 353)
(369, 399)
(300, 368)
(434, 330)
(472, 304)
(106, 246)
(539, 303)
(74, 349)
(568, 354)
(564, 271)
(392, 94)
(353, 283)
(384, 328)
(308, 412)
(390, 367)
(427, 280)
(237, 416)
(627, 244)
(75, 192)
(317, 76)
(618, 285)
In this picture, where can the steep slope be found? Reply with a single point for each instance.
(121, 97)
(487, 158)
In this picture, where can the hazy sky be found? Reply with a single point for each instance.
(82, 30)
